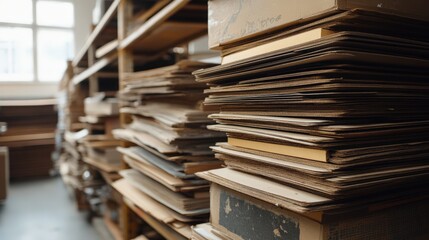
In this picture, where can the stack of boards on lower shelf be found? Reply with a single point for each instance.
(82, 180)
(171, 143)
(99, 147)
(99, 152)
(30, 136)
(327, 135)
(101, 113)
(74, 107)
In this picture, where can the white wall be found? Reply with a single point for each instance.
(27, 91)
(83, 22)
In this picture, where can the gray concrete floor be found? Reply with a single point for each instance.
(42, 209)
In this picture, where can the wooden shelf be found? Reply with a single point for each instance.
(152, 212)
(168, 35)
(113, 228)
(107, 75)
(92, 70)
(162, 228)
(102, 166)
(35, 139)
(144, 33)
(110, 177)
(35, 102)
(152, 23)
(108, 16)
(107, 49)
(67, 77)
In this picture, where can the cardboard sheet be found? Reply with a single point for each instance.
(176, 201)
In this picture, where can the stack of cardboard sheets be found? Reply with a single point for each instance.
(171, 140)
(98, 150)
(82, 180)
(101, 113)
(73, 101)
(99, 147)
(327, 124)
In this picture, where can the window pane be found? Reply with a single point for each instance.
(16, 54)
(16, 11)
(54, 48)
(59, 14)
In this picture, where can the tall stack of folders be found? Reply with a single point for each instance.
(168, 143)
(327, 123)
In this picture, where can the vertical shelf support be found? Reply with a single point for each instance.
(93, 80)
(125, 64)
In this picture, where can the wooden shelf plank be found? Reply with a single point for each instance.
(162, 228)
(95, 33)
(152, 23)
(94, 68)
(107, 75)
(113, 228)
(143, 17)
(102, 166)
(107, 48)
(153, 212)
(169, 35)
(110, 177)
(32, 102)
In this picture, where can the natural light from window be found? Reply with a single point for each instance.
(35, 47)
(16, 54)
(58, 14)
(52, 55)
(16, 11)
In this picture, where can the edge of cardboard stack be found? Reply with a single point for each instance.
(333, 126)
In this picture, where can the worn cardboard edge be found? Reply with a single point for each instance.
(221, 45)
(309, 229)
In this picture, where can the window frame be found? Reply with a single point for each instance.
(35, 28)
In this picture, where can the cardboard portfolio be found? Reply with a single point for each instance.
(231, 212)
(233, 21)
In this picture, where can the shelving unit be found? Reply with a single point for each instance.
(98, 37)
(31, 128)
(134, 36)
(166, 24)
(93, 70)
(97, 58)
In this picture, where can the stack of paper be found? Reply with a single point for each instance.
(100, 152)
(79, 170)
(72, 107)
(323, 119)
(172, 143)
(102, 112)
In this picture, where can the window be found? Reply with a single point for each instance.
(16, 54)
(36, 39)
